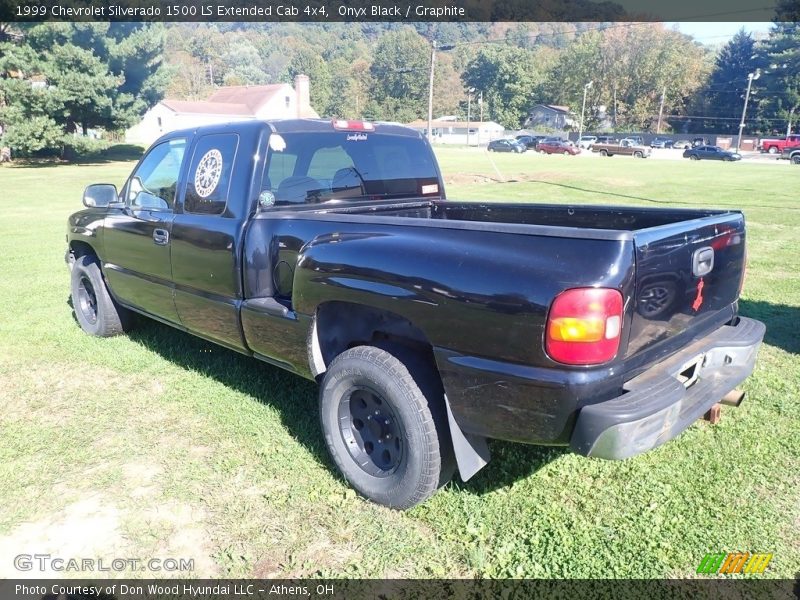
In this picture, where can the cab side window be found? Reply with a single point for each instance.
(152, 186)
(210, 174)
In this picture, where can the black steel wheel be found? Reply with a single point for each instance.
(87, 299)
(95, 310)
(371, 431)
(385, 424)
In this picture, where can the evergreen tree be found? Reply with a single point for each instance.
(781, 79)
(724, 95)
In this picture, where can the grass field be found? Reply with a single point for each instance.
(158, 444)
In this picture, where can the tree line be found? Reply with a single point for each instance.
(60, 81)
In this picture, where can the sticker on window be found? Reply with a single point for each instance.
(277, 143)
(430, 189)
(208, 173)
(356, 137)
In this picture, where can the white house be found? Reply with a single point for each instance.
(226, 104)
(455, 132)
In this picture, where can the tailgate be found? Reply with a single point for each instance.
(688, 276)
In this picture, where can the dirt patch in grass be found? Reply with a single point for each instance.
(89, 528)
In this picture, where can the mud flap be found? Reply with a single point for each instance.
(472, 451)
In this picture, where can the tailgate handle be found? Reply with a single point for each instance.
(702, 261)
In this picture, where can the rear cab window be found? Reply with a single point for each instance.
(313, 167)
(210, 174)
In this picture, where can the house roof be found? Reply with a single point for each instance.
(237, 100)
(252, 96)
(554, 107)
(207, 108)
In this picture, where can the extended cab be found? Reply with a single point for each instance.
(776, 146)
(330, 249)
(626, 147)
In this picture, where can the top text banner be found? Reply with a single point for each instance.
(399, 11)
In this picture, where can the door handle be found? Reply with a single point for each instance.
(161, 237)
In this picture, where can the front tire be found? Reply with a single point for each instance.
(638, 155)
(796, 159)
(385, 426)
(95, 310)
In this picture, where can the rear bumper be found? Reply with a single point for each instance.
(657, 406)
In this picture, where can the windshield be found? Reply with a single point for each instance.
(346, 165)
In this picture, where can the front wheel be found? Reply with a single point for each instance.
(385, 426)
(96, 311)
(796, 159)
(638, 155)
(566, 152)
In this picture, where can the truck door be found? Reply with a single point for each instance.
(206, 240)
(137, 237)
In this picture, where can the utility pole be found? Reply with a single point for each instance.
(750, 78)
(480, 102)
(583, 109)
(469, 111)
(661, 110)
(430, 92)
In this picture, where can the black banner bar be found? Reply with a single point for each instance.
(398, 11)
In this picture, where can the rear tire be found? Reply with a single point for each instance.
(95, 310)
(566, 152)
(772, 150)
(693, 157)
(603, 152)
(385, 425)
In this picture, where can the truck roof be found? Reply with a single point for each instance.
(290, 126)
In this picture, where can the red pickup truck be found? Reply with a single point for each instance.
(777, 146)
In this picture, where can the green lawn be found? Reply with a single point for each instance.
(160, 444)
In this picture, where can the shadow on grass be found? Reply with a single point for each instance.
(780, 320)
(294, 397)
(117, 153)
(295, 400)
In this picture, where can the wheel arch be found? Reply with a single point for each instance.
(340, 325)
(78, 249)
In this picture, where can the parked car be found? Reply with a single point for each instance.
(775, 146)
(586, 141)
(625, 147)
(559, 147)
(681, 144)
(530, 141)
(605, 139)
(636, 139)
(661, 143)
(791, 153)
(330, 249)
(711, 153)
(699, 141)
(506, 145)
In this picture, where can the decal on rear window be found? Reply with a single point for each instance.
(208, 172)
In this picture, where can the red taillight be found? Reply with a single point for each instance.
(345, 125)
(584, 326)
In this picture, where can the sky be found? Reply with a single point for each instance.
(711, 33)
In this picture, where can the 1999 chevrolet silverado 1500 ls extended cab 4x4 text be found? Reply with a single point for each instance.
(329, 249)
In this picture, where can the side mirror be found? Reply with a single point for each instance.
(99, 195)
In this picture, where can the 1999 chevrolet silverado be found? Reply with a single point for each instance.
(328, 248)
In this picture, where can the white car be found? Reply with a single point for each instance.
(586, 141)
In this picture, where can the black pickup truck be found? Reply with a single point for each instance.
(328, 248)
